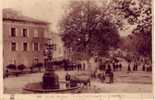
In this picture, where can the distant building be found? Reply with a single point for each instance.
(24, 39)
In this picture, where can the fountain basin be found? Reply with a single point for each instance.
(37, 88)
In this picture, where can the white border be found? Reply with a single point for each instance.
(100, 96)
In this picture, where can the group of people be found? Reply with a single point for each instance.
(147, 67)
(134, 66)
(108, 69)
(139, 64)
(112, 65)
(74, 66)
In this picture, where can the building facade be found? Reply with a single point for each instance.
(24, 39)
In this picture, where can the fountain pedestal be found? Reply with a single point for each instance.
(50, 81)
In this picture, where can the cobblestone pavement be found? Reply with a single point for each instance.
(123, 82)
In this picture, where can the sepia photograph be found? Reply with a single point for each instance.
(77, 46)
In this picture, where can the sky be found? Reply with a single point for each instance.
(47, 10)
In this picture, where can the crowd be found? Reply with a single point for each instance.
(105, 70)
(142, 65)
(108, 68)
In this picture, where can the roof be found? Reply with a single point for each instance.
(13, 15)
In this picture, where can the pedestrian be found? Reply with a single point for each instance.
(101, 76)
(114, 67)
(78, 67)
(143, 67)
(117, 66)
(109, 67)
(111, 77)
(68, 78)
(129, 68)
(84, 66)
(104, 66)
(107, 72)
(134, 67)
(120, 66)
(148, 68)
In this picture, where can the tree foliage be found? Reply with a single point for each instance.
(88, 30)
(11, 66)
(21, 67)
(139, 13)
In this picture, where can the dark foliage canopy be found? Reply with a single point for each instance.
(87, 30)
(139, 13)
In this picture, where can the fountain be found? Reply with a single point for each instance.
(50, 80)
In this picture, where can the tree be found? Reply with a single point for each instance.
(21, 67)
(11, 66)
(87, 30)
(137, 13)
